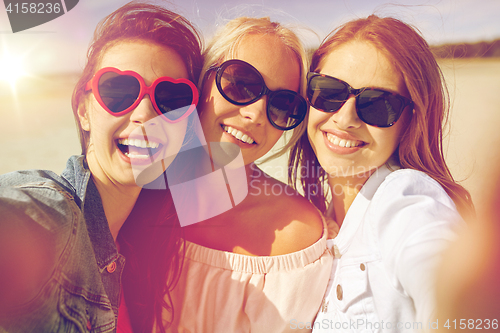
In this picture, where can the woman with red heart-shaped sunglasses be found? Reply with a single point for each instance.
(60, 263)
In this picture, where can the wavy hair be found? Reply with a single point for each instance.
(421, 145)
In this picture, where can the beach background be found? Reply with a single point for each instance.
(37, 128)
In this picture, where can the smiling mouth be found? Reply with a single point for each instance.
(137, 148)
(343, 142)
(237, 134)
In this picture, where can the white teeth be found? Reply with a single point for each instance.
(138, 143)
(137, 156)
(238, 134)
(342, 142)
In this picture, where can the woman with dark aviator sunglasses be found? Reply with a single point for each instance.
(61, 270)
(377, 103)
(250, 269)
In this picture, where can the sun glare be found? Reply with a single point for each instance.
(11, 68)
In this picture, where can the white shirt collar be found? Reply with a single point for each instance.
(359, 206)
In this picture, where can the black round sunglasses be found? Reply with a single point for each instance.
(241, 84)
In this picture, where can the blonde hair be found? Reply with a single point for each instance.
(224, 46)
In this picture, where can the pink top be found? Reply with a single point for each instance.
(222, 291)
(123, 325)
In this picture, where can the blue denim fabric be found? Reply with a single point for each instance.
(56, 253)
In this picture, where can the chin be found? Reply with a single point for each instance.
(250, 159)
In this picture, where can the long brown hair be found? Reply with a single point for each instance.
(150, 238)
(421, 146)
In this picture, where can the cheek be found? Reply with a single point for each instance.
(207, 99)
(95, 114)
(207, 110)
(102, 125)
(274, 135)
(387, 139)
(176, 134)
(314, 120)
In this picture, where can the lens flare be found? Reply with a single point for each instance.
(11, 68)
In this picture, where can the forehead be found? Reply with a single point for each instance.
(277, 63)
(149, 59)
(361, 64)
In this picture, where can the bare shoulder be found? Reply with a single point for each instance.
(297, 224)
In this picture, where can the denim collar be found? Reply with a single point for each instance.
(78, 175)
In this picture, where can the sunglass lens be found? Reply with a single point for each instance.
(240, 83)
(326, 94)
(286, 109)
(173, 99)
(118, 92)
(379, 108)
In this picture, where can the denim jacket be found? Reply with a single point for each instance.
(60, 270)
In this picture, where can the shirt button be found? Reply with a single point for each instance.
(362, 267)
(336, 252)
(111, 267)
(324, 306)
(340, 293)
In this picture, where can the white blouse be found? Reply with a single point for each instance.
(386, 254)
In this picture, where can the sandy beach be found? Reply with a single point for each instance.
(38, 131)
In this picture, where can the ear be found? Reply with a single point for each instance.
(83, 116)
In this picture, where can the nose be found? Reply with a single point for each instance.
(255, 112)
(144, 112)
(347, 116)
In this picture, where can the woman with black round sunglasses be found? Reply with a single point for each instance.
(60, 263)
(377, 103)
(250, 268)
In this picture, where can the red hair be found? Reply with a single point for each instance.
(421, 146)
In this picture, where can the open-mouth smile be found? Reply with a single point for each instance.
(137, 148)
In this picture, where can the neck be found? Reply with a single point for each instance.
(344, 190)
(251, 169)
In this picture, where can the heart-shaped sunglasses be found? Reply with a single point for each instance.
(119, 92)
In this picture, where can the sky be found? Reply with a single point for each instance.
(59, 46)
